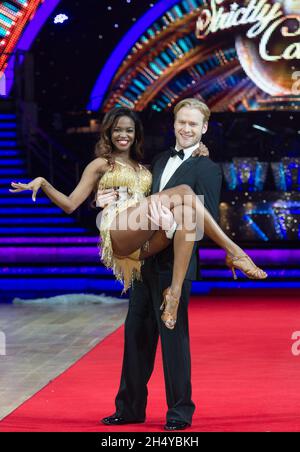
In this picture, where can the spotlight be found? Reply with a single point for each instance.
(60, 18)
(263, 129)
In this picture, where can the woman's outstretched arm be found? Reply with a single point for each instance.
(67, 203)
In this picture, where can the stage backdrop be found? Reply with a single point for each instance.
(236, 56)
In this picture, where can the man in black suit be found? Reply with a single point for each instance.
(143, 324)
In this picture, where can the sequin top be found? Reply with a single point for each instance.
(138, 184)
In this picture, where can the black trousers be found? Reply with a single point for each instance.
(143, 326)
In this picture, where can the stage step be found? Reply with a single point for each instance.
(12, 173)
(6, 125)
(11, 153)
(32, 221)
(34, 230)
(7, 116)
(11, 162)
(81, 244)
(31, 232)
(5, 192)
(34, 211)
(7, 134)
(7, 144)
(5, 182)
(89, 270)
(42, 287)
(42, 230)
(17, 201)
(40, 267)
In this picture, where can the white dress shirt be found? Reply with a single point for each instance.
(173, 164)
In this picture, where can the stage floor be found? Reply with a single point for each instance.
(245, 366)
(44, 341)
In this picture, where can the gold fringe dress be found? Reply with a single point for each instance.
(138, 185)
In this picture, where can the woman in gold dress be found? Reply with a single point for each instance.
(126, 227)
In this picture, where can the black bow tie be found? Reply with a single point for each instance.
(175, 153)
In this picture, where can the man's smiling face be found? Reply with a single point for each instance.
(189, 127)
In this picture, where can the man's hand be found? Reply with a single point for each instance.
(161, 216)
(202, 151)
(106, 197)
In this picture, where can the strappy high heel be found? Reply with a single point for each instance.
(170, 306)
(246, 265)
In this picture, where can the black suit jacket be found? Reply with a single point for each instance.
(205, 178)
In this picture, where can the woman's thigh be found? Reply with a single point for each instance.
(157, 243)
(132, 227)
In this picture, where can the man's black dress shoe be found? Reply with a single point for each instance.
(118, 420)
(176, 425)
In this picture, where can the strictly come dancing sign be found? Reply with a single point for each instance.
(267, 38)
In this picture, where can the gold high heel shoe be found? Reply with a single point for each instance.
(170, 303)
(248, 268)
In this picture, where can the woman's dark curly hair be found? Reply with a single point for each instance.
(105, 148)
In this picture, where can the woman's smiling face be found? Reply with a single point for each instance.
(123, 134)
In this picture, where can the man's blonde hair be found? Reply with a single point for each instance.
(193, 103)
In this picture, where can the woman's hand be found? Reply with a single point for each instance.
(106, 197)
(34, 185)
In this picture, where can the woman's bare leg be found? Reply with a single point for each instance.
(132, 229)
(128, 240)
(184, 241)
(157, 243)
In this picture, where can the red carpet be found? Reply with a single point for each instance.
(245, 377)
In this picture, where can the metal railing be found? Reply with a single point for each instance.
(18, 73)
(60, 166)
